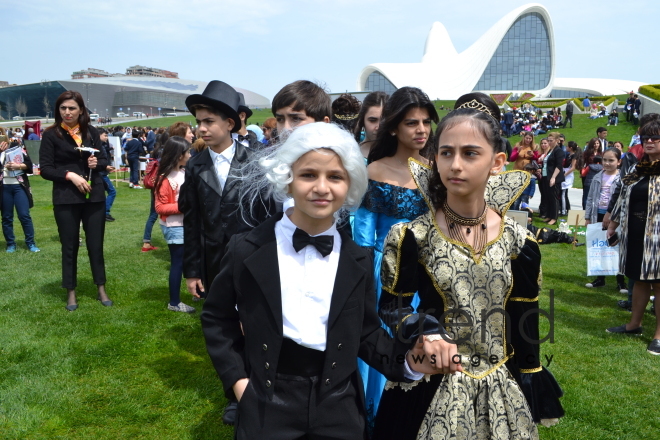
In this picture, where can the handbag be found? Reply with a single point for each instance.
(584, 171)
(151, 174)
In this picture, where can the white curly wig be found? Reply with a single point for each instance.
(270, 173)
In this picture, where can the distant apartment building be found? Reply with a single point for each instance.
(91, 73)
(150, 71)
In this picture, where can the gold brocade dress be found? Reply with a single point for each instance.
(474, 300)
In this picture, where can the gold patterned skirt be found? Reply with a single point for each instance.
(478, 409)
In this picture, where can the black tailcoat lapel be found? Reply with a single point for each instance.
(240, 156)
(267, 277)
(207, 172)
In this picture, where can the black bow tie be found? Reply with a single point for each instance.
(322, 243)
(242, 138)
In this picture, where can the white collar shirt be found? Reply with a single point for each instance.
(307, 280)
(222, 163)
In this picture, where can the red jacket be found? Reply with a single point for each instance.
(165, 199)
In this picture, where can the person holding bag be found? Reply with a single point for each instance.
(71, 157)
(15, 192)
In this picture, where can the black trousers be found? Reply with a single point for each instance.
(68, 218)
(297, 412)
(569, 117)
(550, 197)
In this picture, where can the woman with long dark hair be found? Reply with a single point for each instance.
(174, 155)
(467, 262)
(392, 196)
(368, 120)
(71, 156)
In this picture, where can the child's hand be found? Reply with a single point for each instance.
(239, 388)
(193, 284)
(434, 356)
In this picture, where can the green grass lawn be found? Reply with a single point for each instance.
(139, 371)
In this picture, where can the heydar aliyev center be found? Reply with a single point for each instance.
(516, 55)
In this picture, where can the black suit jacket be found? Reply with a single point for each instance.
(556, 160)
(211, 215)
(249, 279)
(58, 156)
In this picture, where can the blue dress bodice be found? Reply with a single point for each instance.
(385, 205)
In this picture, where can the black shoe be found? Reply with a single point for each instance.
(229, 415)
(598, 282)
(654, 347)
(622, 288)
(622, 329)
(109, 218)
(624, 305)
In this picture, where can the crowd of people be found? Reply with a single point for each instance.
(348, 258)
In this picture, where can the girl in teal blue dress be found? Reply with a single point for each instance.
(392, 196)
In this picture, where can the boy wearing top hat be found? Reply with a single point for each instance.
(210, 193)
(294, 306)
(242, 135)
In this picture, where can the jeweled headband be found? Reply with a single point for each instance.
(476, 105)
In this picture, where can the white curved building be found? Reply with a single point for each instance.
(517, 54)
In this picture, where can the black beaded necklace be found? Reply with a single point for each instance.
(455, 221)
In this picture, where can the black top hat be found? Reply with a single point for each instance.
(220, 96)
(244, 108)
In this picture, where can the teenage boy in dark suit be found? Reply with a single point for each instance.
(209, 196)
(242, 135)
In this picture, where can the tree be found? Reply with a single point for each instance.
(10, 108)
(21, 106)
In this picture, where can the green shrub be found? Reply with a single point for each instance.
(607, 100)
(651, 90)
(545, 103)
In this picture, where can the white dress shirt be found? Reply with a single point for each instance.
(307, 280)
(222, 163)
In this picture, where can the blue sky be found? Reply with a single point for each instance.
(261, 45)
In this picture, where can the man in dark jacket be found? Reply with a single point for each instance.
(569, 113)
(508, 122)
(210, 196)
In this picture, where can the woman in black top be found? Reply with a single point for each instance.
(552, 177)
(78, 191)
